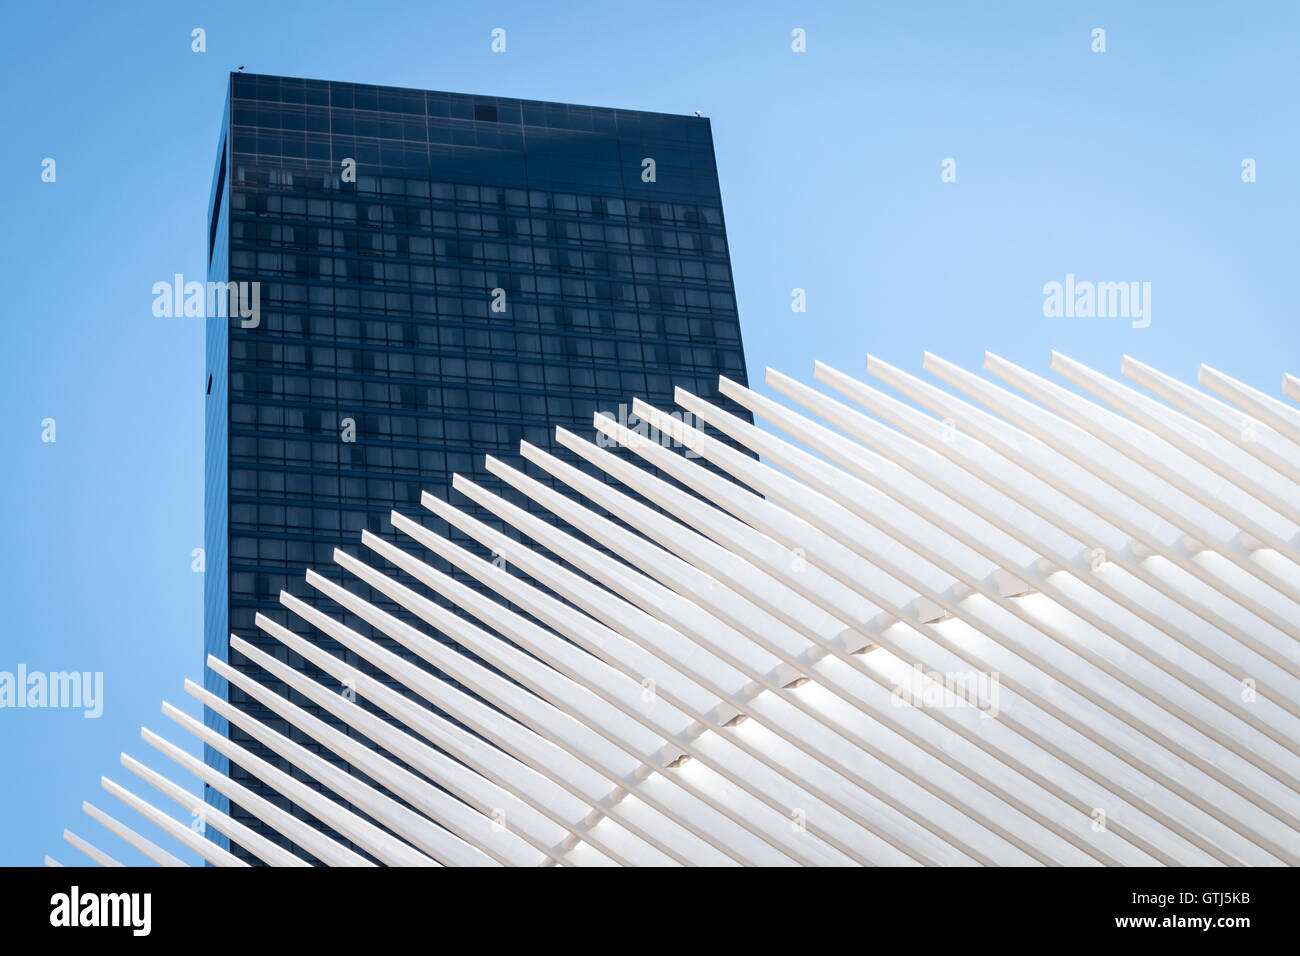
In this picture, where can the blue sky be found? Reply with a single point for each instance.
(1115, 166)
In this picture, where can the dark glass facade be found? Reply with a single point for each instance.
(377, 319)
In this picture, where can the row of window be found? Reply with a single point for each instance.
(326, 488)
(302, 418)
(275, 552)
(324, 383)
(276, 386)
(546, 269)
(400, 190)
(680, 176)
(250, 234)
(372, 438)
(292, 296)
(451, 333)
(324, 126)
(307, 520)
(269, 452)
(325, 494)
(501, 369)
(658, 258)
(476, 288)
(401, 220)
(402, 311)
(286, 93)
(417, 107)
(609, 160)
(520, 273)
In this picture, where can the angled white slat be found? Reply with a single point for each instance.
(303, 834)
(1197, 442)
(1266, 408)
(422, 833)
(1177, 682)
(1091, 542)
(1050, 467)
(1291, 386)
(204, 815)
(92, 851)
(183, 834)
(706, 633)
(1162, 608)
(480, 774)
(543, 754)
(146, 846)
(1106, 726)
(380, 843)
(826, 659)
(745, 654)
(1154, 456)
(1246, 433)
(675, 687)
(610, 736)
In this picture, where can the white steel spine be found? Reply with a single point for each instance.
(1039, 632)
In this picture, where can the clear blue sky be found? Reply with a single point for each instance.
(1117, 166)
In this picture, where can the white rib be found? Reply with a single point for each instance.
(828, 594)
(604, 739)
(705, 666)
(1291, 387)
(205, 815)
(150, 849)
(671, 724)
(438, 843)
(1154, 456)
(991, 643)
(1097, 503)
(710, 632)
(1189, 708)
(560, 766)
(305, 836)
(187, 837)
(1266, 408)
(1245, 432)
(96, 854)
(838, 674)
(368, 836)
(481, 775)
(1220, 456)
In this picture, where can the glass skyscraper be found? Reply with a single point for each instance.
(438, 276)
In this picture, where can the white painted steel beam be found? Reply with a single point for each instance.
(146, 846)
(1060, 629)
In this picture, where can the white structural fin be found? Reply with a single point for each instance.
(971, 622)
